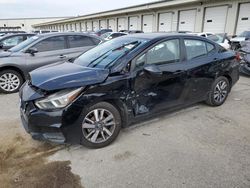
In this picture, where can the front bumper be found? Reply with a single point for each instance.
(58, 126)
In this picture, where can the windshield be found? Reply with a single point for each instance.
(245, 34)
(106, 54)
(218, 38)
(24, 44)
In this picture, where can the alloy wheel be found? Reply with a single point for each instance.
(220, 91)
(98, 125)
(9, 82)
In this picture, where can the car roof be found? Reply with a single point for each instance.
(17, 34)
(152, 36)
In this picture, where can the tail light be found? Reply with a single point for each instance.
(238, 57)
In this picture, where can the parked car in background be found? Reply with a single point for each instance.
(111, 35)
(235, 42)
(222, 39)
(134, 31)
(37, 51)
(102, 31)
(203, 34)
(10, 40)
(122, 81)
(2, 33)
(44, 31)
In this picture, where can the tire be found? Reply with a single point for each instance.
(219, 92)
(10, 81)
(108, 124)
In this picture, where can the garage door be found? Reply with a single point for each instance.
(165, 22)
(133, 23)
(95, 25)
(111, 24)
(187, 20)
(89, 26)
(103, 24)
(122, 24)
(147, 23)
(83, 26)
(215, 19)
(244, 18)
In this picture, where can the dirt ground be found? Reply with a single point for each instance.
(199, 146)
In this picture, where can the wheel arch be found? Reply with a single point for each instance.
(15, 69)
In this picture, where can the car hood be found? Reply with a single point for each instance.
(66, 75)
(238, 39)
(4, 53)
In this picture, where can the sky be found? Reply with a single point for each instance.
(60, 8)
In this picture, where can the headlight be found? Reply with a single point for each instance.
(58, 100)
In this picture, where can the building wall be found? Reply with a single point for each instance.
(175, 9)
(25, 24)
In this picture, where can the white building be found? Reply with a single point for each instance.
(24, 24)
(218, 16)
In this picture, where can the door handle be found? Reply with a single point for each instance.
(62, 56)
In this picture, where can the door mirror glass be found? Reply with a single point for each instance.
(32, 51)
(153, 69)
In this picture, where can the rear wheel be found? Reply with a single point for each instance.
(219, 92)
(101, 124)
(10, 81)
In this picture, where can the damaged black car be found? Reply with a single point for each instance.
(123, 81)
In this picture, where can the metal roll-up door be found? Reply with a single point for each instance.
(244, 18)
(121, 24)
(95, 25)
(187, 20)
(133, 23)
(165, 22)
(111, 24)
(147, 23)
(215, 19)
(103, 24)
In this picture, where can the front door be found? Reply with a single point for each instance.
(50, 50)
(159, 78)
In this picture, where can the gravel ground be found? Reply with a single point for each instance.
(200, 146)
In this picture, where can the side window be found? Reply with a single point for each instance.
(51, 44)
(195, 48)
(210, 48)
(165, 52)
(13, 41)
(80, 41)
(96, 41)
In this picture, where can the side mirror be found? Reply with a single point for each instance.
(31, 51)
(153, 69)
(1, 45)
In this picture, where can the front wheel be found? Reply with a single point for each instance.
(101, 125)
(10, 81)
(219, 92)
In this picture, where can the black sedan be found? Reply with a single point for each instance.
(122, 81)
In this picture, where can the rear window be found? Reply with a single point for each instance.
(80, 41)
(198, 48)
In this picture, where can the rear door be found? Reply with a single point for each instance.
(50, 50)
(200, 58)
(158, 91)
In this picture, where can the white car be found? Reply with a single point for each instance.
(237, 40)
(111, 35)
(203, 34)
(221, 39)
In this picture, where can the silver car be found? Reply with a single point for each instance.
(37, 51)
